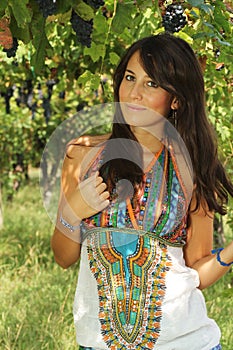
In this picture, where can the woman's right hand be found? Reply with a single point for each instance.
(89, 198)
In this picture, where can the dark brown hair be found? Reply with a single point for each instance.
(171, 63)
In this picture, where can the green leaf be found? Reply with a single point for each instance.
(22, 13)
(63, 6)
(200, 35)
(89, 81)
(145, 4)
(207, 8)
(196, 3)
(40, 43)
(158, 31)
(63, 18)
(220, 20)
(95, 51)
(185, 37)
(209, 25)
(100, 25)
(123, 17)
(85, 11)
(3, 5)
(20, 33)
(194, 14)
(114, 58)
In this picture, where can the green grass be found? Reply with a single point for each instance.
(37, 295)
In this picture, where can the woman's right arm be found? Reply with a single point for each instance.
(78, 200)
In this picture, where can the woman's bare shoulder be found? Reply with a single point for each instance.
(92, 140)
(83, 144)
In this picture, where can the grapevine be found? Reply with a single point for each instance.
(82, 28)
(47, 7)
(95, 3)
(174, 19)
(12, 51)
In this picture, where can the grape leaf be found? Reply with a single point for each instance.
(84, 11)
(145, 4)
(63, 6)
(89, 81)
(207, 8)
(22, 13)
(185, 37)
(114, 58)
(95, 51)
(100, 25)
(220, 20)
(123, 18)
(196, 3)
(20, 33)
(40, 43)
(3, 5)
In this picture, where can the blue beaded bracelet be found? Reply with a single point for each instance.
(218, 251)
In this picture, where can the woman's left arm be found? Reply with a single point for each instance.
(197, 251)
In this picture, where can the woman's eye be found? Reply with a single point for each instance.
(129, 77)
(152, 84)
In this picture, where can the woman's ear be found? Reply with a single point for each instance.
(175, 103)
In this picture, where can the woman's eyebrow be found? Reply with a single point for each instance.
(129, 71)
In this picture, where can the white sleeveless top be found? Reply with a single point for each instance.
(134, 290)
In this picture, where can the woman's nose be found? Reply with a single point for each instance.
(136, 92)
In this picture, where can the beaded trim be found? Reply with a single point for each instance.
(87, 231)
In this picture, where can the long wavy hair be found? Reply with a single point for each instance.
(172, 64)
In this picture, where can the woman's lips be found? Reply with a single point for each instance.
(135, 108)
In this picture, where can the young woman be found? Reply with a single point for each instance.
(137, 208)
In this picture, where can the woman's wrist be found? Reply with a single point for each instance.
(224, 256)
(69, 226)
(68, 223)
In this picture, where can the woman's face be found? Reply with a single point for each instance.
(138, 93)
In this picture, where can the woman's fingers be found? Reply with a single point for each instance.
(105, 195)
(93, 192)
(98, 180)
(101, 188)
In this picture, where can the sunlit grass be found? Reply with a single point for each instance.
(219, 301)
(37, 295)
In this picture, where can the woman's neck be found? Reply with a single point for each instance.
(147, 140)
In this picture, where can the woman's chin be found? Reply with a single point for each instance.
(140, 116)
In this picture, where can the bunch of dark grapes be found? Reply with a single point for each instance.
(95, 3)
(174, 19)
(12, 51)
(82, 28)
(47, 7)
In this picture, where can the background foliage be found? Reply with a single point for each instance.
(51, 77)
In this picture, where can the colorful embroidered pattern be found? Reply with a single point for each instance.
(162, 205)
(130, 269)
(130, 308)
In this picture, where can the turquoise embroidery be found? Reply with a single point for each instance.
(130, 264)
(130, 309)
